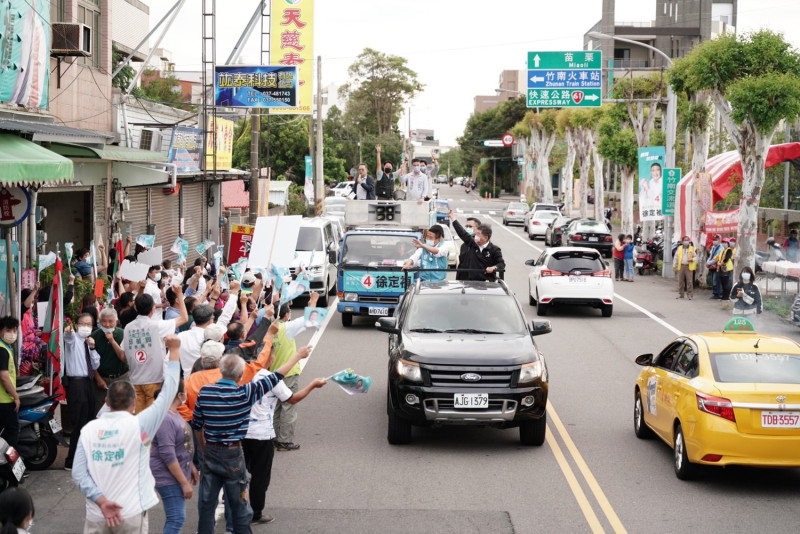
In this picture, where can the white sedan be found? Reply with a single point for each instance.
(570, 276)
(538, 223)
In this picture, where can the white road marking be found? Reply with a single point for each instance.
(492, 213)
(459, 210)
(616, 295)
(476, 211)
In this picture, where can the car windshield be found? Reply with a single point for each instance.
(758, 368)
(546, 207)
(549, 215)
(374, 250)
(456, 313)
(309, 239)
(518, 206)
(576, 261)
(591, 226)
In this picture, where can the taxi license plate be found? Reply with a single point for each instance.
(593, 239)
(18, 469)
(377, 310)
(577, 280)
(55, 426)
(780, 419)
(471, 400)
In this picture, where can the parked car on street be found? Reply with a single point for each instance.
(515, 213)
(555, 231)
(589, 233)
(722, 398)
(538, 223)
(449, 365)
(343, 189)
(538, 206)
(570, 276)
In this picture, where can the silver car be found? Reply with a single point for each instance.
(515, 213)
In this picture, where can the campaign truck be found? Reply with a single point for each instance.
(370, 278)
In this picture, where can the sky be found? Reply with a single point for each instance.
(458, 48)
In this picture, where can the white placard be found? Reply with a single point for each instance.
(274, 241)
(41, 313)
(151, 257)
(133, 271)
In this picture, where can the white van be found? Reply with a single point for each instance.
(318, 250)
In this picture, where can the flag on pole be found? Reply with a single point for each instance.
(52, 333)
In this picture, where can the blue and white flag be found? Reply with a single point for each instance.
(146, 240)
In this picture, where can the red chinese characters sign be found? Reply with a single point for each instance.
(292, 43)
(241, 239)
(722, 222)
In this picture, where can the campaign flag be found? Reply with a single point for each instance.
(120, 248)
(146, 240)
(68, 250)
(205, 245)
(350, 382)
(277, 274)
(52, 332)
(238, 268)
(46, 261)
(296, 288)
(314, 317)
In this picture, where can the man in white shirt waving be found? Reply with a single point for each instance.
(416, 182)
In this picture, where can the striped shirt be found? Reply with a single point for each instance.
(222, 410)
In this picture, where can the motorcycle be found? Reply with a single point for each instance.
(39, 429)
(647, 257)
(773, 253)
(12, 466)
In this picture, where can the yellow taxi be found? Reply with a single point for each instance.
(722, 398)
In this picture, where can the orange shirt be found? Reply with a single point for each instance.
(199, 379)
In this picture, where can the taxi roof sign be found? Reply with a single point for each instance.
(739, 324)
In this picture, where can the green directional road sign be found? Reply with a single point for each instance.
(564, 98)
(578, 59)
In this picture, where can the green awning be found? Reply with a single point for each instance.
(25, 163)
(109, 153)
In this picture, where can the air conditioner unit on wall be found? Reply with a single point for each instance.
(150, 139)
(71, 39)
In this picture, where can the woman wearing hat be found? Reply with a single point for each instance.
(746, 296)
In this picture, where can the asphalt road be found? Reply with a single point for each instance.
(591, 475)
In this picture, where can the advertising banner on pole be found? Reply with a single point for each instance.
(255, 86)
(186, 149)
(292, 43)
(651, 188)
(25, 53)
(220, 140)
(240, 242)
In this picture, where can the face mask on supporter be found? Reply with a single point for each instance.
(10, 337)
(157, 277)
(387, 170)
(716, 242)
(106, 330)
(84, 331)
(746, 277)
(429, 242)
(423, 169)
(685, 243)
(469, 230)
(416, 168)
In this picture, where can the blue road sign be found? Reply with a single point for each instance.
(565, 79)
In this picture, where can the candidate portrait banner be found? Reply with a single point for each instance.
(651, 188)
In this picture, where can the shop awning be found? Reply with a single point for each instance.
(25, 163)
(109, 153)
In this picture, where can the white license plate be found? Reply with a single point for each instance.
(780, 419)
(638, 264)
(577, 280)
(378, 311)
(471, 400)
(18, 469)
(594, 239)
(55, 426)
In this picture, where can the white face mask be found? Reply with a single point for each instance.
(84, 331)
(10, 337)
(745, 277)
(157, 277)
(416, 168)
(685, 243)
(429, 243)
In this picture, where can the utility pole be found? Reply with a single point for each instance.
(319, 175)
(255, 134)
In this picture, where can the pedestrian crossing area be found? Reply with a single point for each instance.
(474, 211)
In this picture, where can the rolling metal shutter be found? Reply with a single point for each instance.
(137, 214)
(164, 214)
(195, 216)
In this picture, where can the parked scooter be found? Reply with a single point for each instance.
(39, 429)
(647, 257)
(12, 467)
(773, 253)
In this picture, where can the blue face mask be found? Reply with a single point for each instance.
(422, 169)
(416, 168)
(469, 230)
(429, 243)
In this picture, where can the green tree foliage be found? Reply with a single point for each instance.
(165, 90)
(288, 145)
(455, 160)
(380, 86)
(123, 78)
(490, 124)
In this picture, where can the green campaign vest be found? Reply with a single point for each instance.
(284, 350)
(5, 396)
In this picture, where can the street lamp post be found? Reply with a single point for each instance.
(671, 127)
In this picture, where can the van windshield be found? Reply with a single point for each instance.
(309, 239)
(375, 250)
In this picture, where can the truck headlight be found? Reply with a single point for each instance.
(409, 370)
(351, 297)
(530, 372)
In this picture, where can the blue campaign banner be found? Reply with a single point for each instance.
(377, 281)
(186, 149)
(255, 86)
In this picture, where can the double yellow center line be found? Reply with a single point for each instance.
(572, 480)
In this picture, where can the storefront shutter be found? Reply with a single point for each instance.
(195, 216)
(164, 214)
(136, 216)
